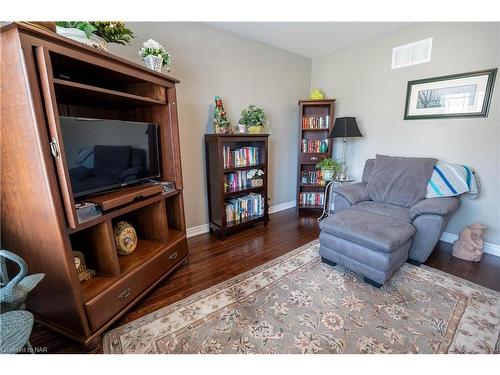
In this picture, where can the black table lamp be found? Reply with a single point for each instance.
(344, 127)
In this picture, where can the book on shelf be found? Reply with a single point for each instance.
(237, 181)
(311, 199)
(244, 207)
(318, 122)
(240, 157)
(312, 178)
(314, 146)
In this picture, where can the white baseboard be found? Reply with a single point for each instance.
(205, 228)
(195, 231)
(489, 247)
(282, 206)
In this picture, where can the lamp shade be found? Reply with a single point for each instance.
(345, 127)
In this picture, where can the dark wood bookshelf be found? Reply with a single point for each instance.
(307, 160)
(216, 173)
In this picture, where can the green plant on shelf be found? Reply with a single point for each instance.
(329, 168)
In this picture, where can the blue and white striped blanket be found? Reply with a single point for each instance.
(452, 179)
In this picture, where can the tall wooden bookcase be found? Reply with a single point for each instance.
(45, 76)
(316, 121)
(219, 167)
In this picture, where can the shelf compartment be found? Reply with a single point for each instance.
(97, 245)
(228, 194)
(77, 92)
(234, 169)
(151, 225)
(75, 71)
(123, 210)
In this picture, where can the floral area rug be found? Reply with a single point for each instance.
(297, 304)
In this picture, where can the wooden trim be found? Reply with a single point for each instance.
(89, 51)
(33, 218)
(98, 90)
(46, 80)
(316, 102)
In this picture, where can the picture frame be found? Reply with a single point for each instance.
(456, 95)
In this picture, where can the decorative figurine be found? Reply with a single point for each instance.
(323, 147)
(469, 245)
(317, 95)
(221, 124)
(125, 238)
(13, 293)
(81, 268)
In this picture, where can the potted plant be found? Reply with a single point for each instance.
(255, 177)
(253, 118)
(95, 33)
(155, 56)
(329, 168)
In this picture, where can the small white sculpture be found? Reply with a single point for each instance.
(469, 245)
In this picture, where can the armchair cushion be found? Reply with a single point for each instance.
(384, 209)
(399, 180)
(353, 193)
(443, 206)
(367, 170)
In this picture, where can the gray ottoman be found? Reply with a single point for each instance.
(370, 244)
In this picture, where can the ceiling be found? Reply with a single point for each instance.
(310, 39)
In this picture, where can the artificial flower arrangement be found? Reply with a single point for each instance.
(96, 33)
(154, 55)
(255, 177)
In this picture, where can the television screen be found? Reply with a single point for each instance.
(107, 154)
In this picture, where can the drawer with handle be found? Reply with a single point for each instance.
(310, 158)
(103, 307)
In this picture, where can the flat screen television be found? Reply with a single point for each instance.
(108, 154)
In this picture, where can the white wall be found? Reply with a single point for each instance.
(361, 79)
(208, 62)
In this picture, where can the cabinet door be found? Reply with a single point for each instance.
(57, 147)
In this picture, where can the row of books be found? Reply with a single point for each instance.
(316, 122)
(241, 157)
(311, 146)
(237, 181)
(312, 178)
(244, 207)
(311, 199)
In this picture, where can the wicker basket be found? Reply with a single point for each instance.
(153, 62)
(258, 182)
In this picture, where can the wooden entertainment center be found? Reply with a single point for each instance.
(45, 76)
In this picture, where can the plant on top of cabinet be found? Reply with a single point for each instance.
(254, 119)
(155, 55)
(96, 33)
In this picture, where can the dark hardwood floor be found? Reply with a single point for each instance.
(213, 261)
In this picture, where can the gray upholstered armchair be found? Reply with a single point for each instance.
(385, 220)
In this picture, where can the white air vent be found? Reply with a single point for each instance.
(412, 53)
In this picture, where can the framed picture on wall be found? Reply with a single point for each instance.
(457, 95)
